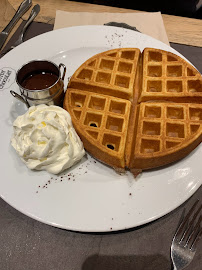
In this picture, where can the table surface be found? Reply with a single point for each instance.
(29, 244)
(188, 30)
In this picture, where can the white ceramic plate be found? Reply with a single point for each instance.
(89, 197)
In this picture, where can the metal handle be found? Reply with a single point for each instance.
(64, 70)
(24, 6)
(14, 94)
(32, 16)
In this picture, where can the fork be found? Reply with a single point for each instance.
(184, 242)
(32, 16)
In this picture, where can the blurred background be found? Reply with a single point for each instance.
(184, 8)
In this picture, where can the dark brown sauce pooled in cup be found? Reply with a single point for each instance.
(39, 81)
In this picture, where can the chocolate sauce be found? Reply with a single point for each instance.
(39, 81)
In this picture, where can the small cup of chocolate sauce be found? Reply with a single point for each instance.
(41, 82)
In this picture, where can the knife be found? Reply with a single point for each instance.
(34, 12)
(24, 6)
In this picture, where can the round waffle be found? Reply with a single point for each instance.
(136, 110)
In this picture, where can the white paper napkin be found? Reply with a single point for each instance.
(148, 23)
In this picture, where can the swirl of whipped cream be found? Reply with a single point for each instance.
(45, 139)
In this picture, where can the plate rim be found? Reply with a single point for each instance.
(61, 226)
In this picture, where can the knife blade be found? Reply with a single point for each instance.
(24, 6)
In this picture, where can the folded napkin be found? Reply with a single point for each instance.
(148, 23)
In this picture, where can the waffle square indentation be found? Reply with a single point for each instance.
(174, 86)
(92, 63)
(175, 130)
(175, 113)
(128, 55)
(194, 128)
(154, 71)
(85, 74)
(117, 107)
(77, 100)
(114, 123)
(151, 128)
(190, 72)
(194, 86)
(125, 67)
(155, 57)
(106, 64)
(77, 114)
(174, 71)
(103, 77)
(149, 146)
(171, 58)
(152, 112)
(154, 86)
(92, 133)
(195, 114)
(112, 142)
(93, 120)
(112, 54)
(122, 81)
(171, 144)
(97, 103)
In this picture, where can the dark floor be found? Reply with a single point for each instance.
(185, 8)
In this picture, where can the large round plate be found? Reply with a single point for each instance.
(89, 197)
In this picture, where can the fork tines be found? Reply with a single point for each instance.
(189, 230)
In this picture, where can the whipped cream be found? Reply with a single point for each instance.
(45, 139)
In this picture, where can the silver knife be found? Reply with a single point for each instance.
(24, 6)
(34, 12)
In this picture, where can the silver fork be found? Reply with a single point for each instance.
(32, 16)
(184, 242)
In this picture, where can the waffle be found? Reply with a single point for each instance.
(168, 77)
(101, 122)
(166, 132)
(111, 73)
(123, 120)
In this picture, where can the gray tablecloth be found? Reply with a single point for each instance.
(26, 244)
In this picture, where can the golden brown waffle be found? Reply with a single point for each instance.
(102, 99)
(168, 77)
(112, 73)
(166, 132)
(102, 122)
